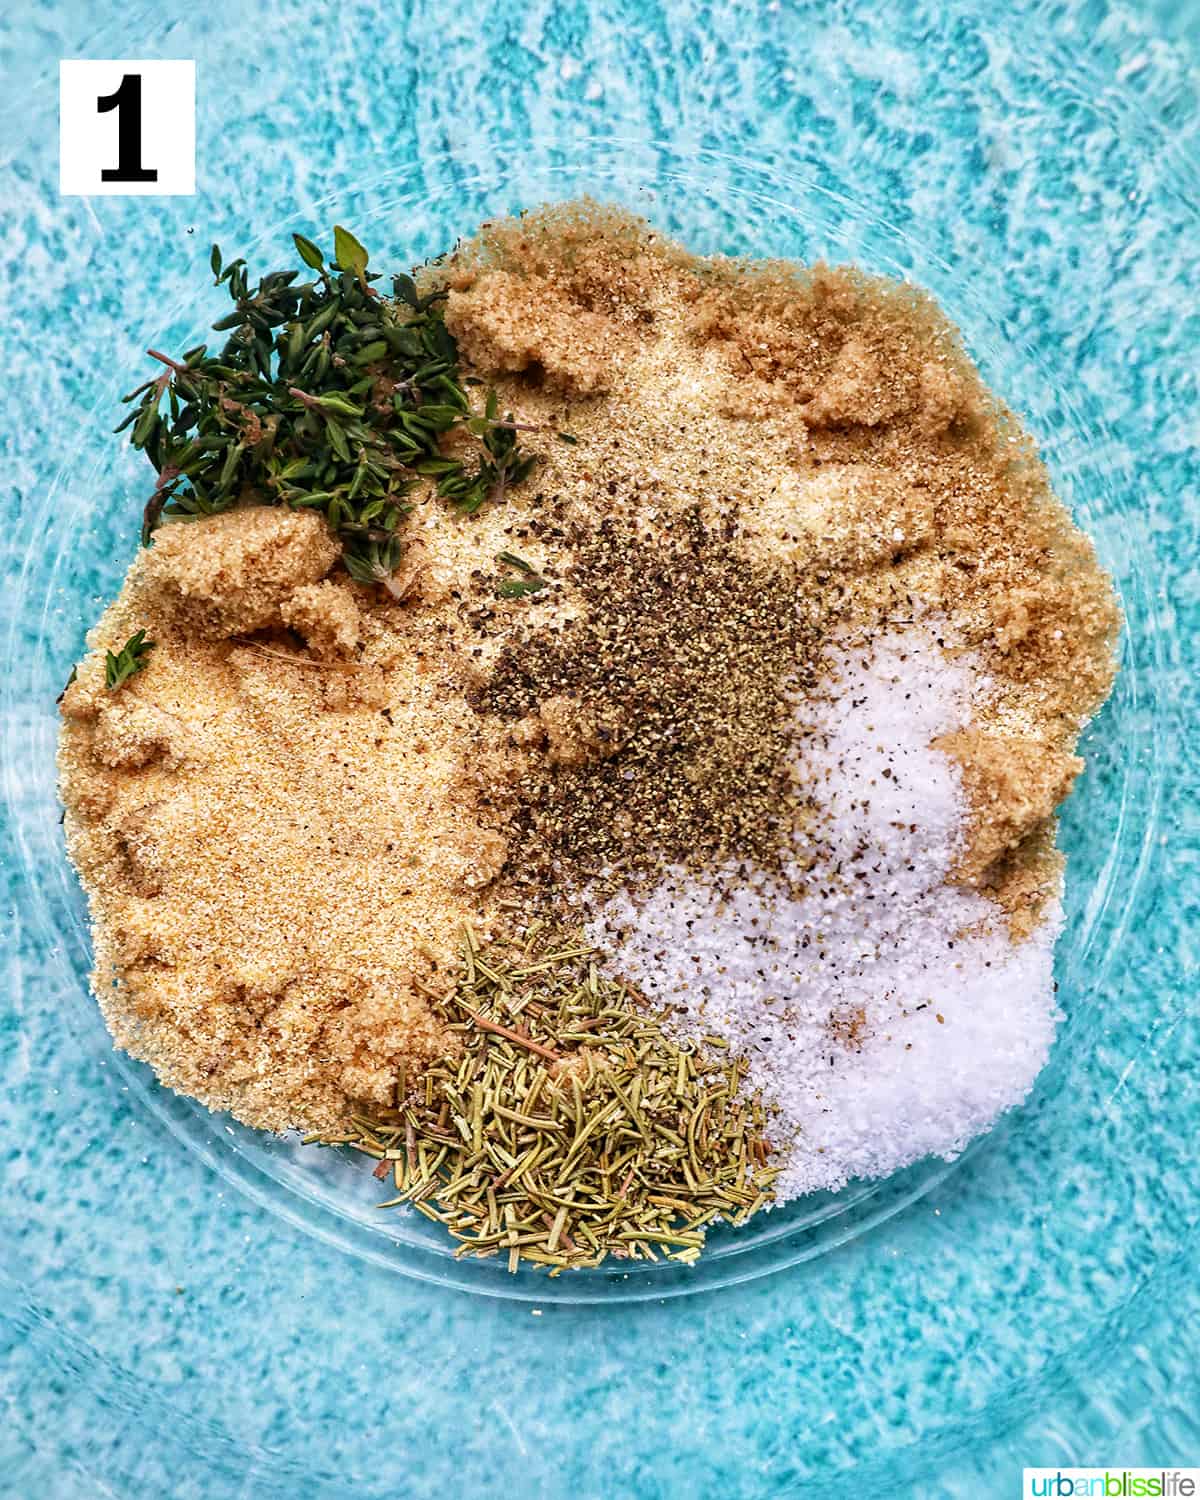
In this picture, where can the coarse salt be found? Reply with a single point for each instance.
(885, 1014)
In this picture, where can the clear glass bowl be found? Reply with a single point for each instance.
(713, 202)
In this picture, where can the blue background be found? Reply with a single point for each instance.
(163, 1336)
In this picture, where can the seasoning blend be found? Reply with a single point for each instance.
(590, 736)
(570, 1127)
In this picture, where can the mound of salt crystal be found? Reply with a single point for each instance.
(887, 1015)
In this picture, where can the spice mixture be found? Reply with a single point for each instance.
(612, 1138)
(714, 609)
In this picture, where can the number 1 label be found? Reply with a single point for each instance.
(127, 127)
(127, 101)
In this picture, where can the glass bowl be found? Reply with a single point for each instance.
(713, 202)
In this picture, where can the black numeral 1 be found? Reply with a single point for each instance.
(127, 101)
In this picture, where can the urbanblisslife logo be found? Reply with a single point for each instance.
(1113, 1484)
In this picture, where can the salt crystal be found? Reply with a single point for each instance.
(886, 1015)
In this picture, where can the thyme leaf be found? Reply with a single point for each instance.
(119, 667)
(530, 582)
(517, 588)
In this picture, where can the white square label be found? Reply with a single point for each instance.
(127, 127)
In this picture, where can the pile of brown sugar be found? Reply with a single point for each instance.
(284, 820)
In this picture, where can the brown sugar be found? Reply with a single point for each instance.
(1012, 786)
(507, 325)
(285, 818)
(250, 563)
(327, 617)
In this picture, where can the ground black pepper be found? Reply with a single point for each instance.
(680, 669)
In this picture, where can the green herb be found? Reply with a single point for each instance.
(67, 684)
(309, 253)
(324, 395)
(376, 563)
(567, 1126)
(516, 588)
(349, 253)
(131, 658)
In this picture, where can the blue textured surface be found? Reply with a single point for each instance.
(165, 1336)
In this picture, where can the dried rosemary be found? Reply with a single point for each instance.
(569, 1127)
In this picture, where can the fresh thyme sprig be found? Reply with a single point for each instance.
(570, 1126)
(325, 395)
(119, 667)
